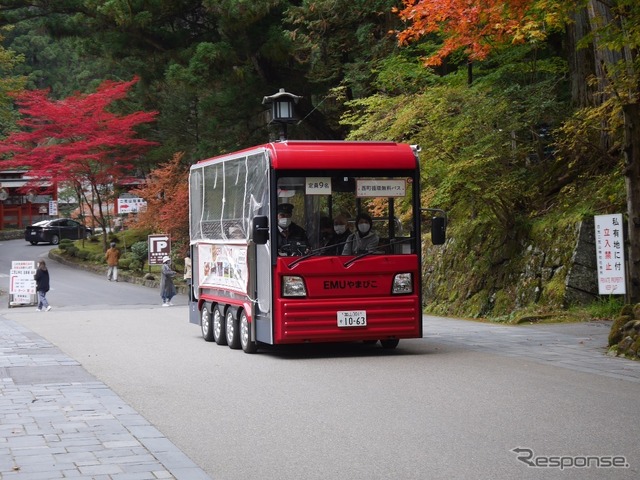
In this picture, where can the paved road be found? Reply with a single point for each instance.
(574, 346)
(453, 405)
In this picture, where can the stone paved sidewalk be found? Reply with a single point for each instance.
(57, 421)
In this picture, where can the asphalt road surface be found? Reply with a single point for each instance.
(446, 406)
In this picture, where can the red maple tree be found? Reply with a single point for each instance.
(166, 192)
(77, 141)
(474, 26)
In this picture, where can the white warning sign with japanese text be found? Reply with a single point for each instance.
(610, 254)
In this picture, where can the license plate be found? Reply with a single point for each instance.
(352, 318)
(33, 233)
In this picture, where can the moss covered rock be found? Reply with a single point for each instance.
(624, 337)
(615, 335)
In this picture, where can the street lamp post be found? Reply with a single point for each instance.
(282, 111)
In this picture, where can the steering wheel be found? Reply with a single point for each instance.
(293, 249)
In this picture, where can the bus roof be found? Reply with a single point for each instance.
(303, 155)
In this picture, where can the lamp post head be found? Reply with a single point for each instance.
(282, 111)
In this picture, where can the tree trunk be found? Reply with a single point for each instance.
(599, 16)
(632, 180)
(581, 61)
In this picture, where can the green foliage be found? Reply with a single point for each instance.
(65, 244)
(125, 262)
(136, 265)
(140, 251)
(465, 135)
(606, 308)
(402, 75)
(338, 41)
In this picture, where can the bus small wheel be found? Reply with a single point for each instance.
(231, 327)
(219, 330)
(247, 343)
(390, 343)
(205, 323)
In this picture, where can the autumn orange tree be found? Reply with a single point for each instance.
(477, 27)
(77, 141)
(166, 192)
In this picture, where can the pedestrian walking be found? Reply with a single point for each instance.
(42, 286)
(167, 288)
(112, 256)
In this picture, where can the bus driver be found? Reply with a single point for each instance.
(292, 239)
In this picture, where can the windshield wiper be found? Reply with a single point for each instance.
(315, 252)
(372, 252)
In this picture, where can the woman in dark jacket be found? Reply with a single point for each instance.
(42, 286)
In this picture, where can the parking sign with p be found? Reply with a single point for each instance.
(159, 246)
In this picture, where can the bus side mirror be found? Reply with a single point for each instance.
(260, 230)
(438, 230)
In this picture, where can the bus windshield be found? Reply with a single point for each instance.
(338, 213)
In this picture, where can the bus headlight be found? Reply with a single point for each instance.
(402, 284)
(293, 286)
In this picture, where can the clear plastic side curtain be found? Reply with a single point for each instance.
(225, 194)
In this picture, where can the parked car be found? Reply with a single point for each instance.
(52, 231)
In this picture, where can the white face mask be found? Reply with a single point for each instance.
(284, 222)
(364, 227)
(339, 229)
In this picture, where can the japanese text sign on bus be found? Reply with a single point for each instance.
(610, 254)
(159, 246)
(380, 188)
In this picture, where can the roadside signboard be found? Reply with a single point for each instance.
(22, 286)
(159, 246)
(131, 205)
(53, 208)
(610, 254)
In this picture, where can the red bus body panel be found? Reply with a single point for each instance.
(331, 287)
(330, 155)
(307, 155)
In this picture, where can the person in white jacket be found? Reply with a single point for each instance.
(364, 239)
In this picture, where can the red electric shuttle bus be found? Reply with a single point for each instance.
(252, 285)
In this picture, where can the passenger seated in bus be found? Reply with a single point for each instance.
(292, 239)
(364, 240)
(340, 235)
